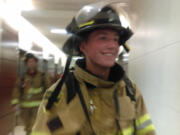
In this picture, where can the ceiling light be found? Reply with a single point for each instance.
(11, 14)
(20, 4)
(59, 31)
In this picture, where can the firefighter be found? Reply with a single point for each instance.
(28, 92)
(97, 98)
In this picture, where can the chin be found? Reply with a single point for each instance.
(108, 64)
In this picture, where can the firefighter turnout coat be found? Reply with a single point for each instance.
(28, 93)
(67, 117)
(29, 89)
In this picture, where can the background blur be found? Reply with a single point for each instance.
(38, 26)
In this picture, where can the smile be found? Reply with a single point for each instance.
(109, 54)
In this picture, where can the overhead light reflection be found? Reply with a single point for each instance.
(88, 8)
(59, 31)
(20, 5)
(12, 16)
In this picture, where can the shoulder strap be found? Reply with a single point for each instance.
(78, 90)
(73, 88)
(116, 102)
(70, 80)
(130, 92)
(129, 88)
(55, 93)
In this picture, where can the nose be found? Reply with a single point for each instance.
(113, 43)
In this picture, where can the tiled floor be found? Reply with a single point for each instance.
(19, 130)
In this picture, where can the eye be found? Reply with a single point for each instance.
(103, 38)
(116, 39)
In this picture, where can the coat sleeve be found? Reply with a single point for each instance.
(16, 92)
(143, 121)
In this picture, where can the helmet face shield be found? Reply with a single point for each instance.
(88, 12)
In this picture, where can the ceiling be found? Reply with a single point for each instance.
(50, 14)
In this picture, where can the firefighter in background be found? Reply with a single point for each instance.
(28, 92)
(97, 98)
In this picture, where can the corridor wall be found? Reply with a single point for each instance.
(154, 60)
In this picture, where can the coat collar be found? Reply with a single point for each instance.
(116, 74)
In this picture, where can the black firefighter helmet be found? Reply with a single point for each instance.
(96, 16)
(29, 56)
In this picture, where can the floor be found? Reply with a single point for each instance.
(18, 130)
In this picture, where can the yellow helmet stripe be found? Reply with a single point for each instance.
(87, 23)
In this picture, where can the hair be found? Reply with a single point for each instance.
(29, 56)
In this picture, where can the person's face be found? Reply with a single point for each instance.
(101, 48)
(31, 63)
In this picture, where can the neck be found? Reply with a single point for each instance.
(102, 72)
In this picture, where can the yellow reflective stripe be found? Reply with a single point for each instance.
(39, 133)
(127, 131)
(146, 130)
(15, 101)
(87, 23)
(30, 104)
(46, 111)
(35, 90)
(144, 125)
(142, 119)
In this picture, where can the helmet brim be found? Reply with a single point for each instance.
(124, 33)
(71, 46)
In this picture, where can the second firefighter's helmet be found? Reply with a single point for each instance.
(29, 56)
(96, 16)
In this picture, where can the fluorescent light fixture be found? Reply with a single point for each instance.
(59, 31)
(20, 5)
(10, 44)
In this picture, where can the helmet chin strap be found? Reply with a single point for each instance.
(126, 47)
